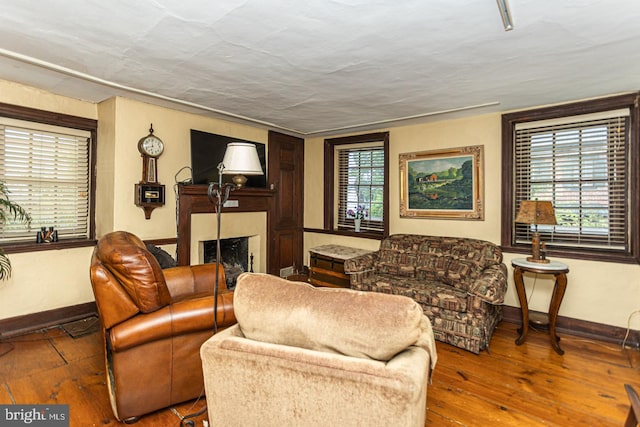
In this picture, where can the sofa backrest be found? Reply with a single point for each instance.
(358, 324)
(456, 261)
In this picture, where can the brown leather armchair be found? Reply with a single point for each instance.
(153, 322)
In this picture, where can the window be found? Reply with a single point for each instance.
(47, 168)
(356, 174)
(361, 184)
(579, 157)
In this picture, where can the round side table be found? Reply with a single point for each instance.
(559, 271)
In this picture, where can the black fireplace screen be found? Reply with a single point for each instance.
(234, 253)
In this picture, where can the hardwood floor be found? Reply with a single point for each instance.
(526, 385)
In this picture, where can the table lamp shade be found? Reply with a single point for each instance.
(536, 212)
(241, 158)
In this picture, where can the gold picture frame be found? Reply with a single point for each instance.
(445, 184)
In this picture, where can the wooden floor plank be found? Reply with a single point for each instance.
(32, 353)
(573, 387)
(560, 390)
(527, 385)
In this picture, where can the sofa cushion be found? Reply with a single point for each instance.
(279, 311)
(432, 266)
(468, 257)
(436, 294)
(425, 292)
(398, 254)
(398, 263)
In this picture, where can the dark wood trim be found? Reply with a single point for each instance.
(329, 173)
(195, 199)
(48, 117)
(23, 247)
(65, 120)
(285, 223)
(93, 173)
(362, 234)
(581, 328)
(32, 322)
(69, 244)
(509, 122)
(160, 242)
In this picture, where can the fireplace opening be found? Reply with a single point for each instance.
(234, 254)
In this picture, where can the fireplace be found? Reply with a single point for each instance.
(234, 257)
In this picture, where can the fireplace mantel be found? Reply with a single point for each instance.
(195, 199)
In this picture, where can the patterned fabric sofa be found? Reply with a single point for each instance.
(460, 283)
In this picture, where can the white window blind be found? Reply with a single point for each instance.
(46, 169)
(361, 183)
(581, 165)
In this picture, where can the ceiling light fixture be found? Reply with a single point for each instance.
(503, 6)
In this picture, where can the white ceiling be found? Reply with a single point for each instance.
(320, 67)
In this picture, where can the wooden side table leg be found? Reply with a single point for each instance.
(554, 307)
(524, 306)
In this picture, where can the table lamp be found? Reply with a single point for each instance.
(536, 212)
(240, 159)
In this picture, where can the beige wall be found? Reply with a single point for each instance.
(599, 292)
(53, 279)
(49, 279)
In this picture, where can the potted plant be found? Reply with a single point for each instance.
(358, 215)
(9, 210)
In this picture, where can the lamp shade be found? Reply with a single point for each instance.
(536, 212)
(241, 158)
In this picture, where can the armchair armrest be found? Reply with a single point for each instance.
(183, 317)
(360, 263)
(491, 286)
(191, 280)
(360, 268)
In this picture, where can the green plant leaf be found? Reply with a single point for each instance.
(8, 209)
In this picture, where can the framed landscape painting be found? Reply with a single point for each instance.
(444, 183)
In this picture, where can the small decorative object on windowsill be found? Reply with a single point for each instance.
(358, 215)
(47, 235)
(536, 212)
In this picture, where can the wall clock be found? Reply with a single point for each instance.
(149, 193)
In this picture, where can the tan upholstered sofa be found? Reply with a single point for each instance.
(305, 356)
(460, 283)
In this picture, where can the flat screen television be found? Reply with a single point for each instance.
(207, 151)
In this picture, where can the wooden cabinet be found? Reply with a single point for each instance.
(326, 265)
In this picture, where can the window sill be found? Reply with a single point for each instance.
(362, 234)
(22, 247)
(573, 253)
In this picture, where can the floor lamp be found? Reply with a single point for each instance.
(240, 159)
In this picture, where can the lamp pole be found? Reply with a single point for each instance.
(218, 195)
